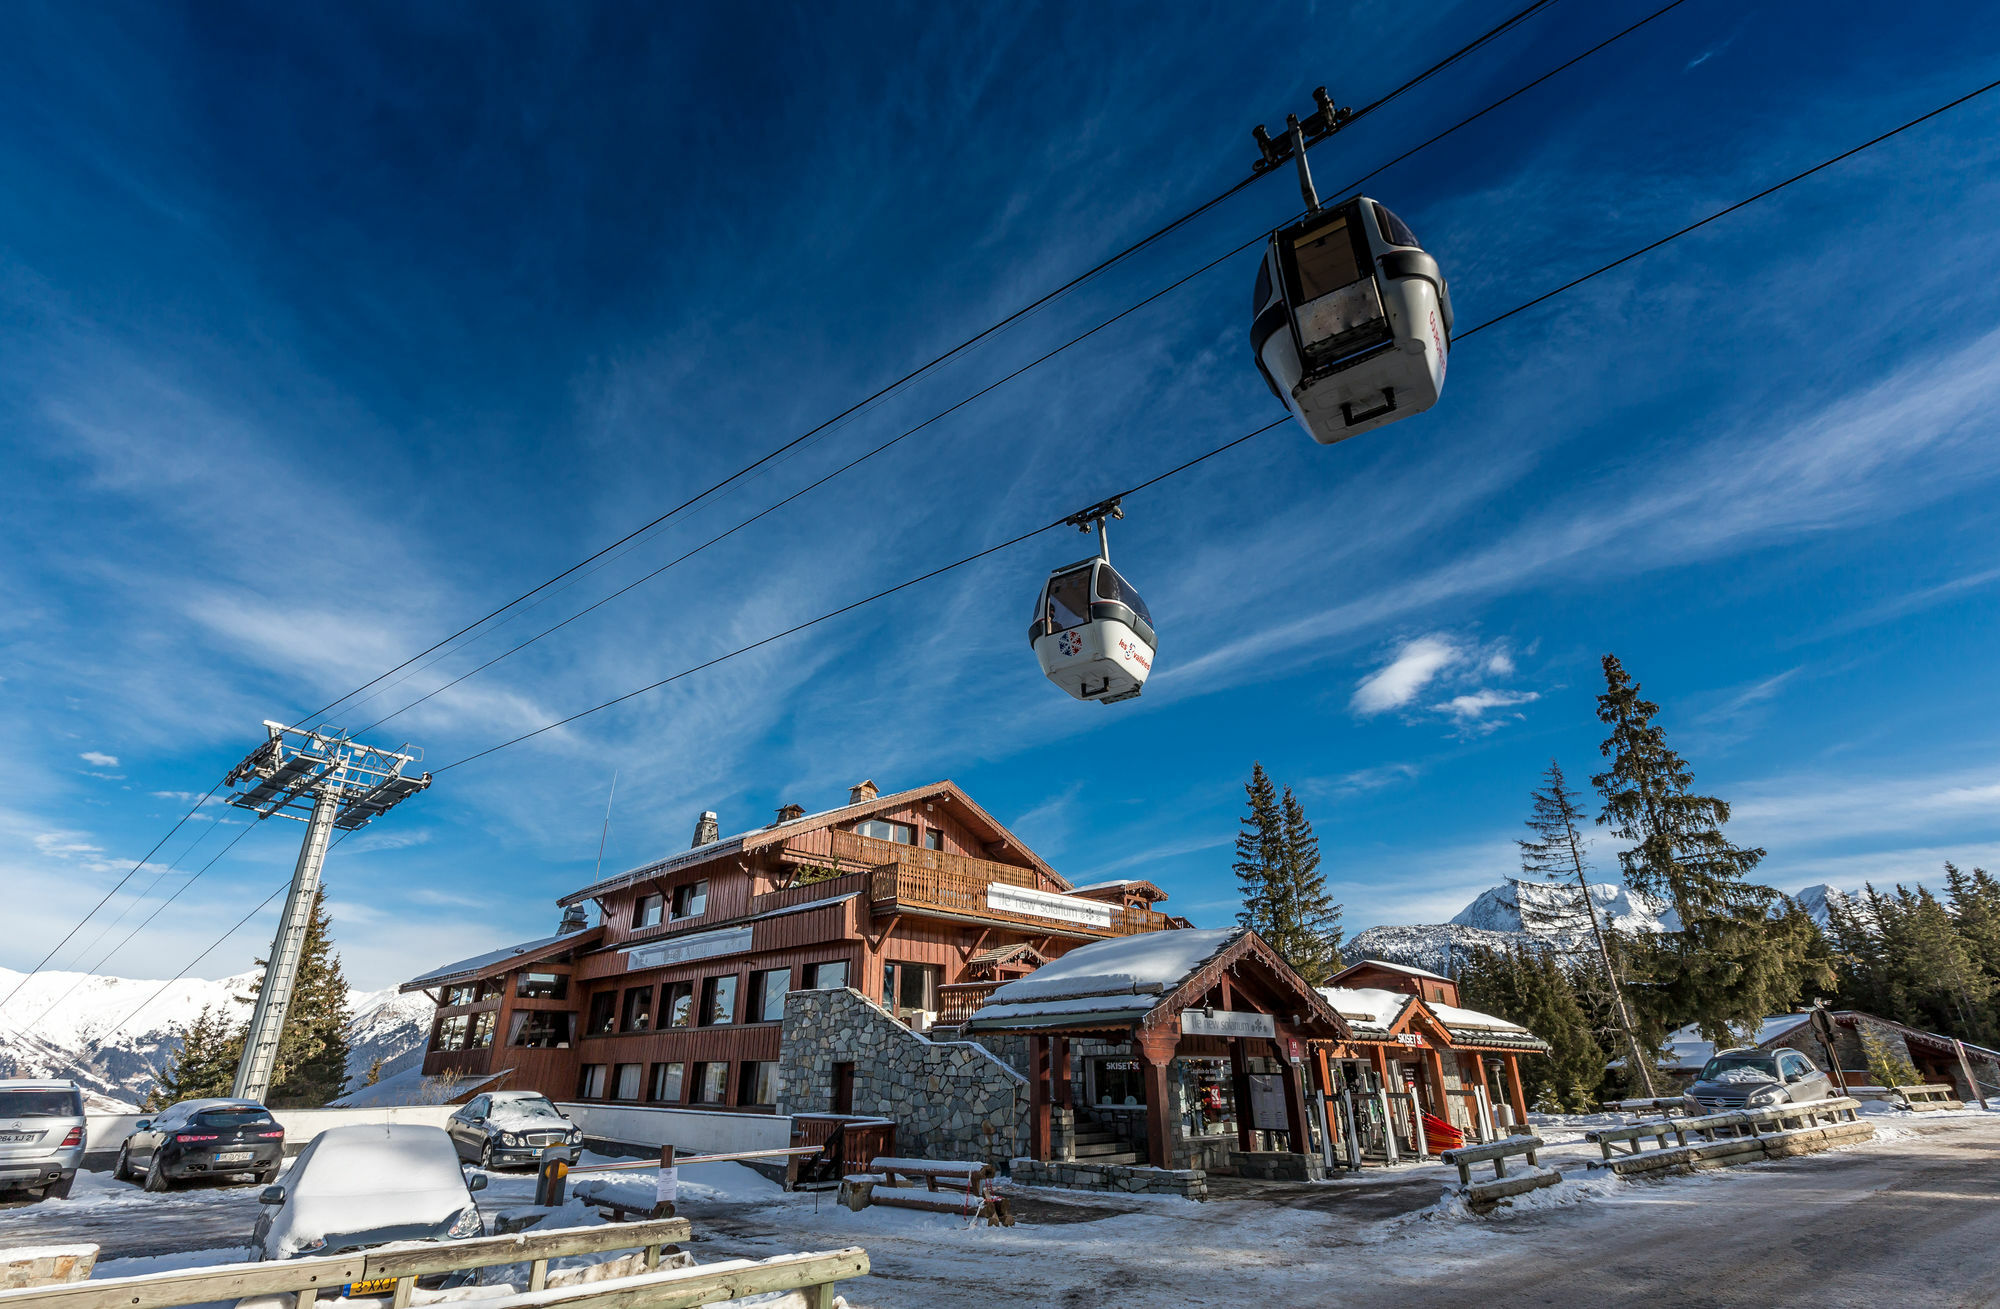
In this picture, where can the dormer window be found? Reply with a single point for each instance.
(883, 830)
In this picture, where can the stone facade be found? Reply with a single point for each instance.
(1191, 1183)
(948, 1099)
(1278, 1166)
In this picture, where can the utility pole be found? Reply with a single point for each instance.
(326, 781)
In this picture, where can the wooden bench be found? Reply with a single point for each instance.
(1930, 1095)
(949, 1187)
(1484, 1197)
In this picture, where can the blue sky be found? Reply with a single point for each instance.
(322, 333)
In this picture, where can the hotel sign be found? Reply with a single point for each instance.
(679, 950)
(1047, 904)
(1227, 1022)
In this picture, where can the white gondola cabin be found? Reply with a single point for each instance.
(1092, 632)
(1352, 323)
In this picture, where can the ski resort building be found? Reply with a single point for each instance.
(677, 993)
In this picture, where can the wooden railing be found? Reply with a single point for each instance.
(849, 852)
(957, 1002)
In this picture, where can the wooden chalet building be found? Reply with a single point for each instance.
(675, 994)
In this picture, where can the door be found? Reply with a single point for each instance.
(843, 1088)
(145, 1145)
(1802, 1079)
(468, 1127)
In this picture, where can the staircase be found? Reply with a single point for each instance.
(1099, 1142)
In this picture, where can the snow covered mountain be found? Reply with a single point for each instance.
(1518, 912)
(49, 1028)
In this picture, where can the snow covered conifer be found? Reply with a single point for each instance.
(312, 1051)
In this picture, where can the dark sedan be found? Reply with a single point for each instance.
(203, 1138)
(1755, 1079)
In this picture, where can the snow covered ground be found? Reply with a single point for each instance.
(1859, 1226)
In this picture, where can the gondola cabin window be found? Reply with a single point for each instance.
(883, 830)
(1325, 261)
(1069, 599)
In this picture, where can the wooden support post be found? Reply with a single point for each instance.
(1295, 1102)
(1063, 1096)
(1434, 1066)
(1515, 1093)
(1156, 1056)
(666, 1193)
(1039, 1121)
(1239, 1079)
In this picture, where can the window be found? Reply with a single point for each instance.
(479, 1108)
(492, 988)
(452, 1032)
(541, 1031)
(230, 1118)
(590, 1082)
(1394, 230)
(883, 830)
(482, 1031)
(1263, 291)
(1118, 1083)
(908, 986)
(466, 994)
(603, 1013)
(646, 910)
(677, 1004)
(667, 1080)
(626, 1085)
(933, 839)
(757, 1083)
(821, 976)
(1112, 587)
(1325, 261)
(691, 901)
(542, 986)
(711, 1083)
(718, 1001)
(637, 1016)
(1069, 598)
(42, 1104)
(767, 993)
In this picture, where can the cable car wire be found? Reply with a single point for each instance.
(130, 873)
(1210, 454)
(1078, 339)
(1491, 34)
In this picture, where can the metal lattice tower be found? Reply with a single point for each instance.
(324, 780)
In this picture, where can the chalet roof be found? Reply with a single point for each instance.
(1370, 1010)
(512, 955)
(1122, 884)
(1121, 982)
(1385, 965)
(758, 838)
(1468, 1028)
(1001, 954)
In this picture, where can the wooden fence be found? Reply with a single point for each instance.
(1737, 1136)
(657, 1288)
(1483, 1197)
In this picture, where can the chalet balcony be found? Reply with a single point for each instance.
(958, 1002)
(906, 879)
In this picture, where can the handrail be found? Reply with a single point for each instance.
(684, 1288)
(1485, 1196)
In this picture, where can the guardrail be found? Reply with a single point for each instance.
(1929, 1095)
(1736, 1136)
(1669, 1105)
(402, 1263)
(1485, 1196)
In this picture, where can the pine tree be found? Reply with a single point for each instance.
(1975, 911)
(1260, 851)
(311, 1066)
(374, 1071)
(1715, 967)
(202, 1063)
(1556, 853)
(1530, 986)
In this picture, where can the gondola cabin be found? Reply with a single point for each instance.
(1352, 322)
(1092, 632)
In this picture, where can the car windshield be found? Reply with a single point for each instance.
(230, 1117)
(41, 1104)
(535, 1108)
(1745, 1067)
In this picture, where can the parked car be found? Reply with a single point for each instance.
(1755, 1079)
(41, 1136)
(511, 1128)
(356, 1187)
(203, 1138)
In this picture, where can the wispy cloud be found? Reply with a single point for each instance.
(99, 758)
(1415, 666)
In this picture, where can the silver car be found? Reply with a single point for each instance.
(1755, 1079)
(42, 1135)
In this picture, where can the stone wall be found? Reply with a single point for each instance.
(1138, 1179)
(948, 1099)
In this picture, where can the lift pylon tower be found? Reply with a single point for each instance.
(324, 780)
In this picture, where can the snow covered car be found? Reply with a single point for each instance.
(1755, 1079)
(41, 1136)
(202, 1138)
(511, 1128)
(356, 1187)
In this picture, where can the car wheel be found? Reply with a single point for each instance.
(59, 1189)
(156, 1175)
(123, 1170)
(486, 1156)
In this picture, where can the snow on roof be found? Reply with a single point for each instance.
(1106, 886)
(1367, 1005)
(481, 962)
(1124, 974)
(1394, 968)
(1453, 1016)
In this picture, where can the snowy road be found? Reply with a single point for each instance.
(1912, 1218)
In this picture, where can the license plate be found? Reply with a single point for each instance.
(235, 1156)
(19, 1138)
(380, 1286)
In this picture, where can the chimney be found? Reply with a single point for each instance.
(574, 919)
(707, 830)
(791, 813)
(863, 793)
